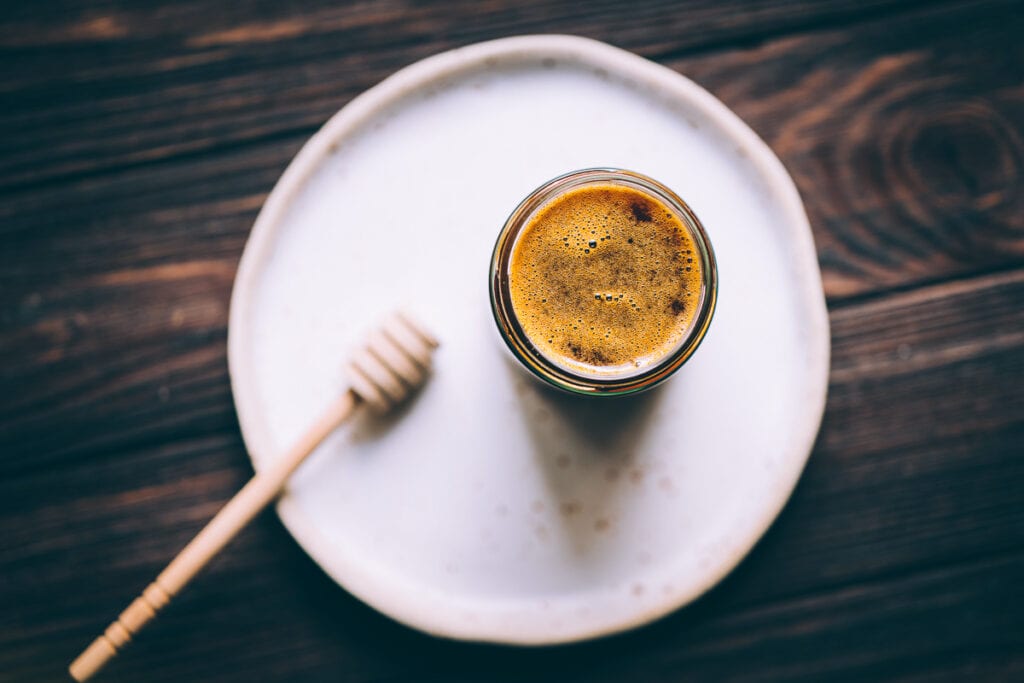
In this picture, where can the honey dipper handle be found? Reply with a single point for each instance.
(247, 503)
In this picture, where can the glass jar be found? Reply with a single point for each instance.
(556, 372)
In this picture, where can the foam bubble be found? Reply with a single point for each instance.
(618, 300)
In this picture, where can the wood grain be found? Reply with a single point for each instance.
(165, 79)
(925, 182)
(139, 143)
(115, 286)
(934, 484)
(904, 136)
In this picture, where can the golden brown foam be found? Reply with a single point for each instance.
(605, 279)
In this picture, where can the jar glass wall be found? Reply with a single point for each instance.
(561, 370)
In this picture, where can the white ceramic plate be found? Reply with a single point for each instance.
(492, 509)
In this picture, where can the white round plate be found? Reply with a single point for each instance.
(491, 508)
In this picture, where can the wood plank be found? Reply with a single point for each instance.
(898, 557)
(91, 86)
(905, 138)
(116, 307)
(110, 274)
(924, 183)
(913, 476)
(949, 623)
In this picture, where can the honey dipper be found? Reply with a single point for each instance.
(392, 363)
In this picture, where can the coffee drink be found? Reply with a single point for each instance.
(604, 280)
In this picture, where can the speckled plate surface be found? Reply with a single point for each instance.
(491, 508)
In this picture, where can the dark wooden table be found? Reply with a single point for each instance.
(138, 143)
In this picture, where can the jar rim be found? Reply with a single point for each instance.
(519, 343)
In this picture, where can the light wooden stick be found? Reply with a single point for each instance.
(382, 374)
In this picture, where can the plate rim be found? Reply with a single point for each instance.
(434, 70)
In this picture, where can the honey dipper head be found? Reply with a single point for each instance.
(392, 363)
